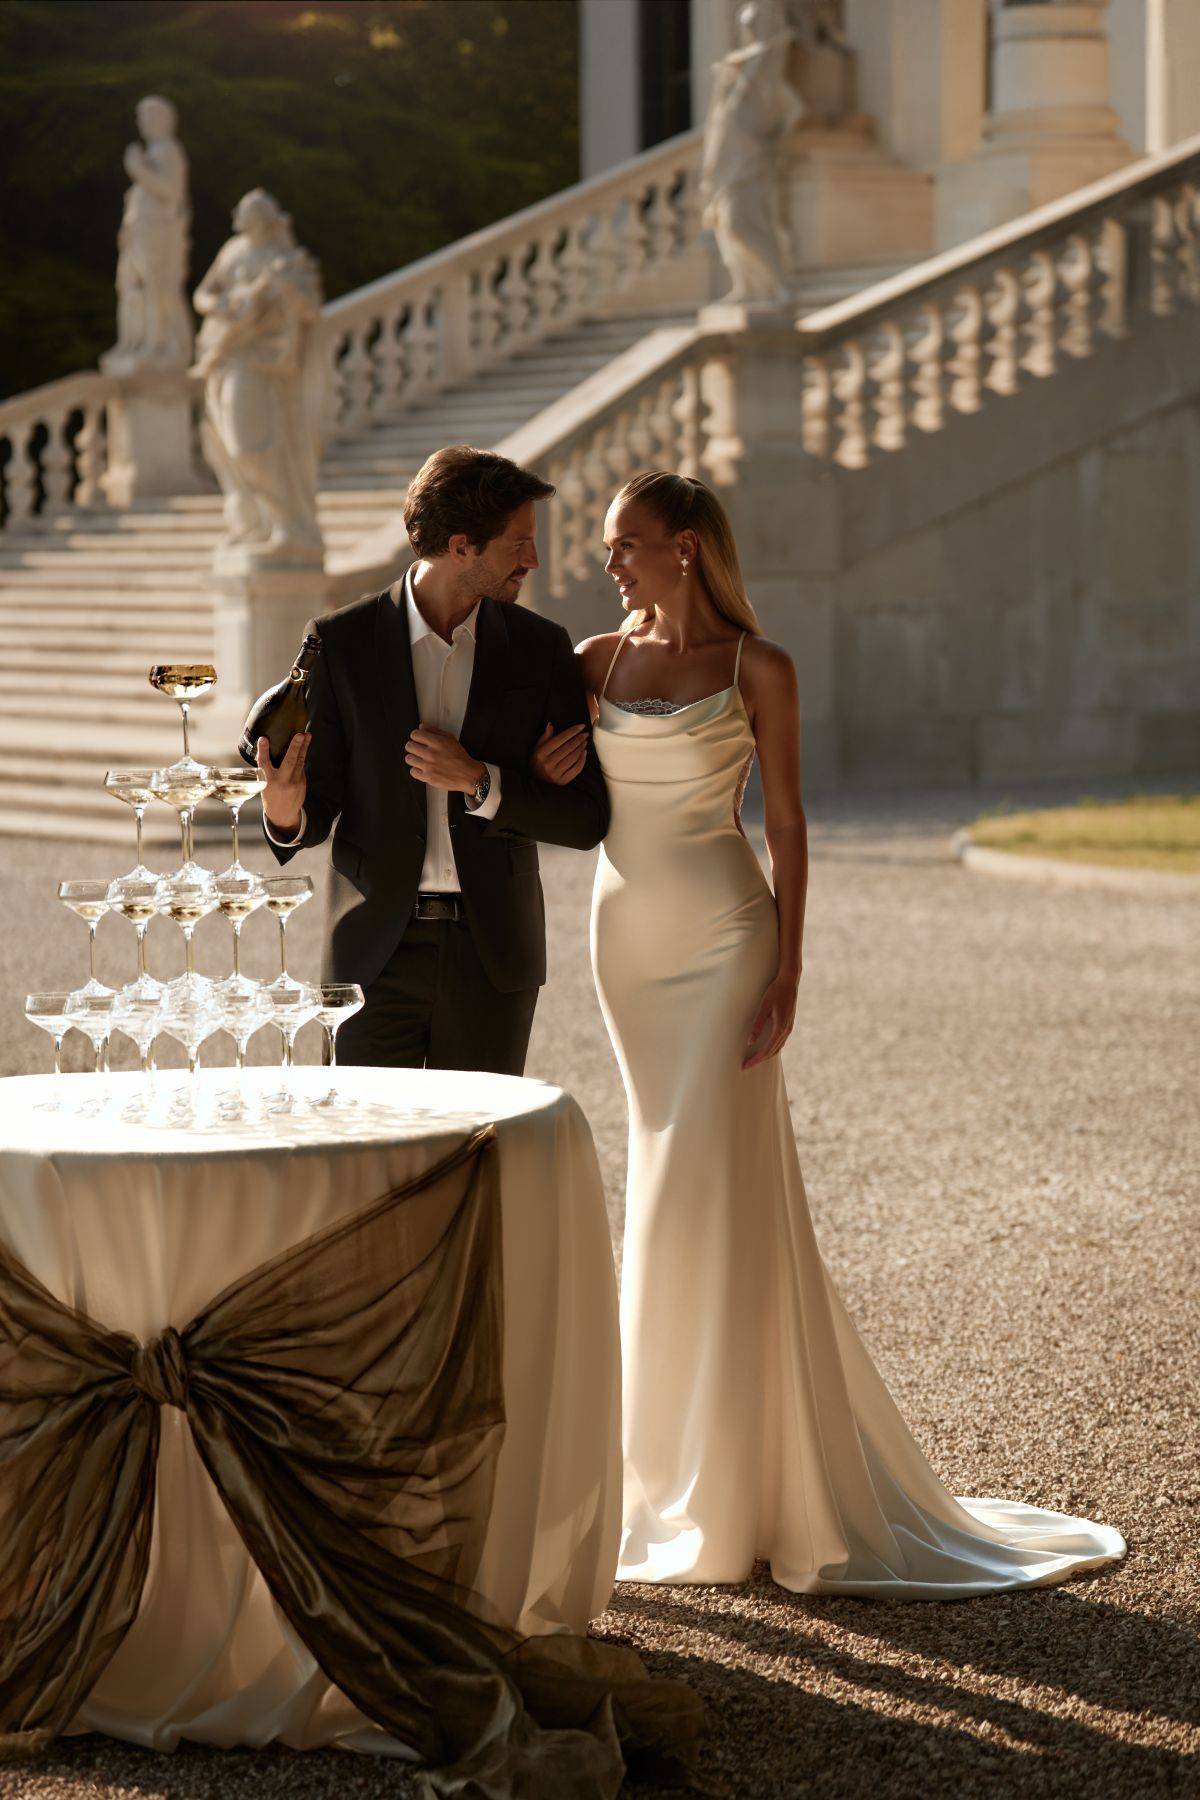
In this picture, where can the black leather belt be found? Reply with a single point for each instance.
(438, 906)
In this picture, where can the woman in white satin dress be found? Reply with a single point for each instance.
(755, 1423)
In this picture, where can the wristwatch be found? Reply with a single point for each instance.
(483, 788)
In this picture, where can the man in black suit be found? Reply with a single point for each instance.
(426, 705)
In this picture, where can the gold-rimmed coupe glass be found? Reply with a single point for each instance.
(135, 897)
(184, 682)
(284, 894)
(88, 900)
(339, 1001)
(50, 1012)
(183, 787)
(136, 788)
(233, 787)
(185, 898)
(239, 892)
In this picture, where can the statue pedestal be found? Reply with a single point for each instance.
(261, 612)
(150, 438)
(846, 201)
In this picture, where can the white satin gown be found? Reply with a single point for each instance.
(755, 1423)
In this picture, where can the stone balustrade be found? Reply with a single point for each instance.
(55, 440)
(461, 311)
(1008, 308)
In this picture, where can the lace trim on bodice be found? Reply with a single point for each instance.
(659, 709)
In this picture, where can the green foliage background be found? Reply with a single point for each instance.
(387, 128)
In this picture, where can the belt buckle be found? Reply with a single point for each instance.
(438, 906)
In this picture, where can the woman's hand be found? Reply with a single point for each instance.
(559, 756)
(773, 1022)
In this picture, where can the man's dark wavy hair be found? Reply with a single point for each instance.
(469, 492)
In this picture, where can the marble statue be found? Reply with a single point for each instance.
(753, 107)
(263, 384)
(154, 326)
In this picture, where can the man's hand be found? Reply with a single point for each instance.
(772, 1023)
(560, 756)
(283, 796)
(440, 761)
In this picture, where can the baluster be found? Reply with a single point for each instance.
(687, 412)
(1112, 259)
(1188, 248)
(457, 352)
(90, 456)
(570, 504)
(515, 299)
(1162, 256)
(886, 370)
(597, 453)
(421, 343)
(545, 286)
(929, 380)
(357, 380)
(604, 255)
(634, 239)
(573, 266)
(1076, 270)
(689, 208)
(664, 427)
(816, 407)
(1002, 307)
(849, 384)
(1041, 288)
(22, 473)
(660, 225)
(391, 363)
(642, 433)
(57, 464)
(621, 460)
(966, 333)
(487, 316)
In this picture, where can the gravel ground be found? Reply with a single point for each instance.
(994, 1089)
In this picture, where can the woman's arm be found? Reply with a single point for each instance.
(773, 703)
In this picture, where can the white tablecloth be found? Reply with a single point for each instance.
(141, 1224)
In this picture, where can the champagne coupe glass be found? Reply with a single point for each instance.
(284, 894)
(233, 787)
(136, 788)
(183, 786)
(92, 1014)
(339, 1002)
(184, 682)
(238, 892)
(187, 896)
(50, 1012)
(291, 1007)
(189, 1017)
(89, 900)
(135, 897)
(240, 1011)
(137, 1013)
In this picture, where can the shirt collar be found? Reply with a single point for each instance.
(418, 626)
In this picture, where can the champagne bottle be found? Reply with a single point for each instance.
(282, 711)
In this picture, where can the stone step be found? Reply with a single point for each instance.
(145, 743)
(77, 610)
(168, 580)
(60, 659)
(165, 557)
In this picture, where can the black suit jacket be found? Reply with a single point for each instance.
(363, 707)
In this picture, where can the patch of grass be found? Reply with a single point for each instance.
(1150, 831)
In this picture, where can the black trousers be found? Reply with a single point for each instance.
(432, 1006)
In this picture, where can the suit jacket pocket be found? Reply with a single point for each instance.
(523, 858)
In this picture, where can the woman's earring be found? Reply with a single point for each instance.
(683, 562)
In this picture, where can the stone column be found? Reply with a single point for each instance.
(259, 621)
(151, 439)
(1051, 127)
(610, 85)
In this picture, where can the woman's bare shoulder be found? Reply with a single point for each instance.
(768, 664)
(595, 654)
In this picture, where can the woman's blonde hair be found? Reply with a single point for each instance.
(680, 503)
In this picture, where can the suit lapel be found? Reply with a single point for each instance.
(397, 693)
(489, 678)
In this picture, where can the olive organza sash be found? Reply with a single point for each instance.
(347, 1400)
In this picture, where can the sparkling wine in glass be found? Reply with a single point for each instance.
(186, 897)
(184, 682)
(338, 1002)
(239, 893)
(136, 788)
(183, 787)
(233, 787)
(135, 897)
(50, 1012)
(88, 900)
(284, 894)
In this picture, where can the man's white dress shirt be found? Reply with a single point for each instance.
(442, 672)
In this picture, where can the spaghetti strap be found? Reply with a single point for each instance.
(620, 646)
(737, 664)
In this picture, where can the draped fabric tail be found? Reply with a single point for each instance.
(347, 1400)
